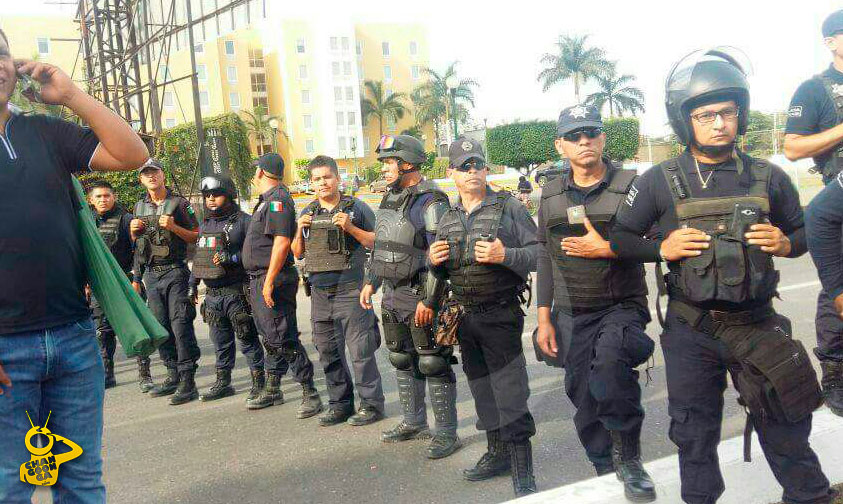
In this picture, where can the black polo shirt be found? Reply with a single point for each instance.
(274, 215)
(42, 272)
(812, 111)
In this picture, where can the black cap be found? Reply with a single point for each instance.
(271, 163)
(150, 164)
(833, 24)
(578, 117)
(462, 149)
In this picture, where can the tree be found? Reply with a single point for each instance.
(758, 140)
(413, 131)
(622, 138)
(618, 92)
(258, 125)
(435, 103)
(519, 145)
(377, 104)
(573, 60)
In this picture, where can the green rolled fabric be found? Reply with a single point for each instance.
(135, 326)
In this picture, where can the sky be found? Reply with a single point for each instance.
(500, 45)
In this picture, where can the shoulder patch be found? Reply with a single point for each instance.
(795, 111)
(275, 206)
(190, 209)
(630, 196)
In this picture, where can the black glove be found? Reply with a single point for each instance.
(193, 293)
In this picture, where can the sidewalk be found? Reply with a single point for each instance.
(751, 483)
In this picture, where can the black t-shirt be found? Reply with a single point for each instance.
(42, 271)
(362, 217)
(812, 110)
(274, 215)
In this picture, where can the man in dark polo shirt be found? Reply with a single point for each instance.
(273, 283)
(49, 358)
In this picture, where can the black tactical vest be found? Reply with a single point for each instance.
(207, 246)
(326, 245)
(399, 252)
(472, 282)
(157, 245)
(729, 270)
(110, 227)
(581, 284)
(834, 163)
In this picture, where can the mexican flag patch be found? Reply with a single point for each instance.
(275, 206)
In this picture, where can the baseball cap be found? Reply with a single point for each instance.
(833, 24)
(151, 164)
(578, 117)
(271, 163)
(462, 149)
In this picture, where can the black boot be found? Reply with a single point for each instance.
(258, 383)
(443, 398)
(110, 381)
(186, 390)
(168, 386)
(411, 397)
(494, 462)
(521, 460)
(833, 386)
(637, 484)
(221, 388)
(311, 403)
(144, 375)
(603, 469)
(270, 395)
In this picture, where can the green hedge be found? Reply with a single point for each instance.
(622, 138)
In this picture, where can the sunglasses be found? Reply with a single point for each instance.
(475, 164)
(212, 194)
(590, 133)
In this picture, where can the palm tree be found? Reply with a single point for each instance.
(381, 106)
(618, 92)
(258, 125)
(434, 102)
(573, 60)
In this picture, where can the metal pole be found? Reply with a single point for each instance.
(197, 109)
(453, 113)
(153, 88)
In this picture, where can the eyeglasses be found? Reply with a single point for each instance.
(709, 116)
(590, 133)
(475, 164)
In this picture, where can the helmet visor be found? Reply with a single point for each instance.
(211, 184)
(680, 75)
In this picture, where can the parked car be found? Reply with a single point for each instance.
(378, 186)
(555, 169)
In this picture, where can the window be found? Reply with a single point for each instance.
(302, 72)
(204, 99)
(229, 48)
(385, 49)
(337, 93)
(260, 102)
(308, 146)
(335, 68)
(256, 58)
(334, 44)
(305, 96)
(201, 72)
(234, 100)
(414, 48)
(345, 44)
(360, 71)
(414, 72)
(168, 100)
(199, 48)
(300, 47)
(390, 121)
(170, 123)
(308, 121)
(43, 46)
(388, 92)
(387, 73)
(341, 143)
(352, 119)
(340, 118)
(360, 48)
(346, 68)
(165, 72)
(231, 74)
(258, 83)
(349, 93)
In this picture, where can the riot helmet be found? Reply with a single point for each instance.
(702, 77)
(405, 148)
(218, 183)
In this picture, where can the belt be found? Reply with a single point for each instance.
(340, 287)
(226, 289)
(165, 267)
(490, 306)
(709, 321)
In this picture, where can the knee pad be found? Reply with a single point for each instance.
(434, 365)
(244, 326)
(290, 350)
(401, 360)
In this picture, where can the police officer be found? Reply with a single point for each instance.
(164, 224)
(591, 305)
(226, 308)
(724, 215)
(113, 223)
(486, 247)
(273, 283)
(815, 129)
(407, 220)
(333, 234)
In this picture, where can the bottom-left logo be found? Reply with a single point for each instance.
(43, 467)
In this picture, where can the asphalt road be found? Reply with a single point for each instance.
(221, 453)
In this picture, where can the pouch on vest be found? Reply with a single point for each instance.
(207, 247)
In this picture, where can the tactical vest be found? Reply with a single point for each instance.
(326, 245)
(110, 227)
(582, 284)
(472, 282)
(207, 246)
(399, 252)
(835, 162)
(729, 270)
(157, 245)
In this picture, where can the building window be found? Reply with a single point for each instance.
(360, 48)
(168, 100)
(256, 58)
(199, 48)
(165, 72)
(414, 48)
(302, 72)
(341, 143)
(305, 96)
(337, 93)
(335, 68)
(201, 72)
(345, 44)
(385, 49)
(349, 93)
(352, 119)
(231, 74)
(234, 101)
(390, 122)
(388, 92)
(229, 48)
(204, 99)
(360, 71)
(387, 73)
(340, 118)
(415, 72)
(300, 47)
(334, 44)
(308, 146)
(346, 68)
(171, 123)
(258, 83)
(308, 121)
(43, 46)
(260, 102)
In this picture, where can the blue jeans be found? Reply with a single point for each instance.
(56, 370)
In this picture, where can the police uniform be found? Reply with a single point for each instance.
(160, 260)
(275, 215)
(113, 226)
(407, 220)
(599, 311)
(816, 106)
(720, 315)
(226, 307)
(335, 263)
(489, 332)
